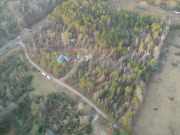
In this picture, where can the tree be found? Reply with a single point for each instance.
(15, 87)
(120, 133)
(55, 70)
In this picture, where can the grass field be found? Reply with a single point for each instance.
(43, 86)
(160, 112)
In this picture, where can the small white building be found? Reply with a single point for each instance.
(44, 74)
(48, 77)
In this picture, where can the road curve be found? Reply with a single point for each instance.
(61, 83)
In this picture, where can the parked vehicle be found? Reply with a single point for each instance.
(177, 12)
(48, 77)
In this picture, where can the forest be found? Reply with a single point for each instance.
(123, 46)
(57, 113)
(8, 24)
(24, 113)
(15, 87)
(15, 15)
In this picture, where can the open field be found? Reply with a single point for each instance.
(160, 113)
(42, 85)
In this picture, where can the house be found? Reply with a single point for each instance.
(62, 59)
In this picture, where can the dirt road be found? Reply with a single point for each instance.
(160, 113)
(62, 84)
